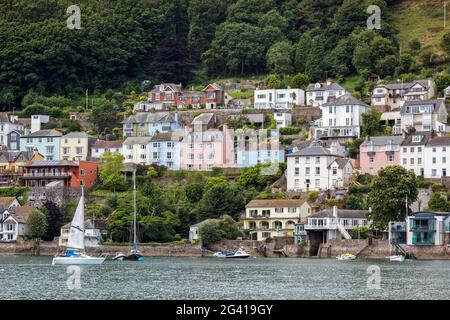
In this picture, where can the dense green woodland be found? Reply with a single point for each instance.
(123, 42)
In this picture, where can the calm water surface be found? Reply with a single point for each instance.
(24, 277)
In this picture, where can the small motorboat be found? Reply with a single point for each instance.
(396, 258)
(346, 256)
(238, 254)
(133, 256)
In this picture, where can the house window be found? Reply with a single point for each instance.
(434, 160)
(79, 150)
(279, 210)
(444, 172)
(49, 149)
(307, 160)
(317, 171)
(82, 172)
(317, 183)
(433, 172)
(317, 159)
(49, 139)
(419, 149)
(411, 161)
(334, 171)
(307, 171)
(390, 158)
(371, 159)
(434, 149)
(411, 149)
(297, 172)
(169, 155)
(297, 160)
(419, 160)
(155, 155)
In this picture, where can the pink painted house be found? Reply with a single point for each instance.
(206, 149)
(379, 152)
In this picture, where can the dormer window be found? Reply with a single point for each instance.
(416, 138)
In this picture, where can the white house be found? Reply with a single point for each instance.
(283, 119)
(426, 154)
(315, 168)
(14, 222)
(7, 125)
(274, 218)
(424, 115)
(279, 98)
(394, 95)
(92, 236)
(194, 230)
(101, 146)
(136, 150)
(334, 224)
(319, 93)
(340, 118)
(447, 93)
(164, 149)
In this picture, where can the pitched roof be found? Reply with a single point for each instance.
(214, 85)
(439, 141)
(204, 118)
(5, 202)
(436, 104)
(102, 144)
(324, 86)
(52, 163)
(164, 86)
(4, 117)
(275, 203)
(203, 222)
(342, 162)
(137, 140)
(150, 117)
(313, 150)
(21, 214)
(77, 135)
(13, 156)
(406, 85)
(346, 99)
(342, 213)
(44, 133)
(426, 136)
(165, 136)
(383, 140)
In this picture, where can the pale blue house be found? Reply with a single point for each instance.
(252, 148)
(144, 124)
(164, 149)
(47, 142)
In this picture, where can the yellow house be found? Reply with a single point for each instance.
(76, 146)
(275, 218)
(12, 163)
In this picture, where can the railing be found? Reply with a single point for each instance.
(265, 215)
(46, 174)
(428, 228)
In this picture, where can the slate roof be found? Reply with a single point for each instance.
(408, 141)
(405, 86)
(137, 140)
(21, 214)
(44, 133)
(150, 117)
(437, 104)
(342, 162)
(342, 213)
(102, 144)
(52, 163)
(439, 141)
(313, 150)
(324, 86)
(383, 140)
(5, 202)
(275, 203)
(13, 156)
(346, 99)
(78, 135)
(173, 86)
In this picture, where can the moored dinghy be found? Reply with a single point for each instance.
(75, 252)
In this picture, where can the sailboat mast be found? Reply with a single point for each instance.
(134, 208)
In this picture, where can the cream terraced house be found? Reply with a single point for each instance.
(425, 115)
(76, 146)
(274, 218)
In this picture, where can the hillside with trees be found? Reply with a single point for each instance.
(124, 42)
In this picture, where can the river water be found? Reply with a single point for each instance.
(24, 277)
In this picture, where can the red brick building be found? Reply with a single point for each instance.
(169, 94)
(60, 172)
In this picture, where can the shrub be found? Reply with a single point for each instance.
(289, 131)
(359, 232)
(313, 195)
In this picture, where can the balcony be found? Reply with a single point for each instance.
(44, 175)
(422, 228)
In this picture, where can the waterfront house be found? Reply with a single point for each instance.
(76, 146)
(397, 232)
(66, 173)
(279, 98)
(426, 228)
(11, 165)
(283, 119)
(333, 224)
(194, 230)
(318, 93)
(424, 115)
(426, 153)
(101, 146)
(377, 153)
(147, 123)
(341, 118)
(92, 235)
(14, 223)
(47, 142)
(274, 218)
(316, 168)
(393, 95)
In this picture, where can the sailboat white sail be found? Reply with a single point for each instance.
(75, 244)
(76, 235)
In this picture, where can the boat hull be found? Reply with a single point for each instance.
(243, 256)
(78, 260)
(397, 258)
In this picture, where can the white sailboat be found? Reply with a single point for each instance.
(75, 252)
